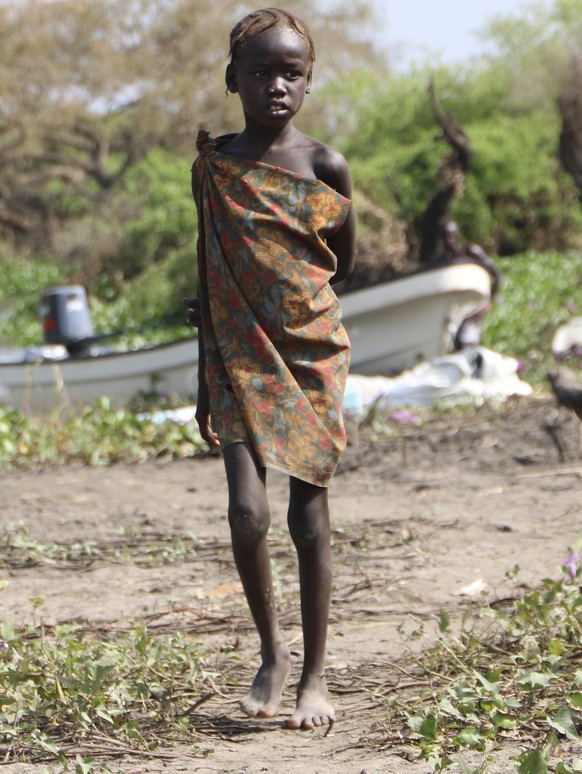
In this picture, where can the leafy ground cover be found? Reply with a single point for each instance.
(539, 292)
(101, 434)
(76, 692)
(126, 640)
(512, 670)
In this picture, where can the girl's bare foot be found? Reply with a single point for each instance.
(264, 698)
(313, 706)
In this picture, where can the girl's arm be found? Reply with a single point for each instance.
(194, 316)
(343, 245)
(332, 169)
(202, 402)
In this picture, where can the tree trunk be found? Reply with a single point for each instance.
(570, 107)
(452, 172)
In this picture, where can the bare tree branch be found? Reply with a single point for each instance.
(570, 108)
(452, 172)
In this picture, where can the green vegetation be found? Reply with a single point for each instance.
(98, 435)
(145, 310)
(510, 672)
(18, 549)
(65, 686)
(22, 283)
(516, 197)
(540, 291)
(507, 672)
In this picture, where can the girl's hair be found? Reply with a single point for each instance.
(266, 19)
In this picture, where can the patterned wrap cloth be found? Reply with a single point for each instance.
(277, 354)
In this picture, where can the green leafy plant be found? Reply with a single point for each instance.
(22, 282)
(509, 671)
(18, 549)
(101, 434)
(516, 198)
(66, 688)
(539, 292)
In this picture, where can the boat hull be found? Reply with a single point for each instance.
(167, 369)
(395, 325)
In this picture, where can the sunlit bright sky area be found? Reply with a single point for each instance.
(413, 29)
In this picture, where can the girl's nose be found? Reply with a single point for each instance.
(277, 86)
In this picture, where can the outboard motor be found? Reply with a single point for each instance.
(65, 317)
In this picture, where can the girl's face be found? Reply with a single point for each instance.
(272, 74)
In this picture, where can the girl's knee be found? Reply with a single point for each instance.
(308, 516)
(249, 521)
(308, 527)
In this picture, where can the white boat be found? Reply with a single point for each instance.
(395, 325)
(51, 379)
(392, 326)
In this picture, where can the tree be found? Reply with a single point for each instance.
(89, 89)
(452, 172)
(515, 195)
(570, 108)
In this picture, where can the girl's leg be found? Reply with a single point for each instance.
(310, 530)
(249, 518)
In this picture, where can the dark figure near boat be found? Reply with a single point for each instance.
(454, 251)
(567, 388)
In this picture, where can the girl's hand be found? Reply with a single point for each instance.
(193, 311)
(205, 421)
(206, 430)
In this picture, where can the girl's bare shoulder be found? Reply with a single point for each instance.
(330, 166)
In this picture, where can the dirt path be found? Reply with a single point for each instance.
(426, 522)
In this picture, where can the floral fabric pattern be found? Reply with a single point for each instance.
(277, 354)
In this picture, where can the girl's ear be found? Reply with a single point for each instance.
(231, 79)
(308, 87)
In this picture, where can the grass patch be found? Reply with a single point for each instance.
(540, 291)
(511, 671)
(71, 692)
(100, 434)
(76, 692)
(18, 550)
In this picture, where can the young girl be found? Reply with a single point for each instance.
(275, 229)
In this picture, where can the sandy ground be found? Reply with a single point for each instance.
(431, 520)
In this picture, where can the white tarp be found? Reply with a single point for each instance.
(474, 375)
